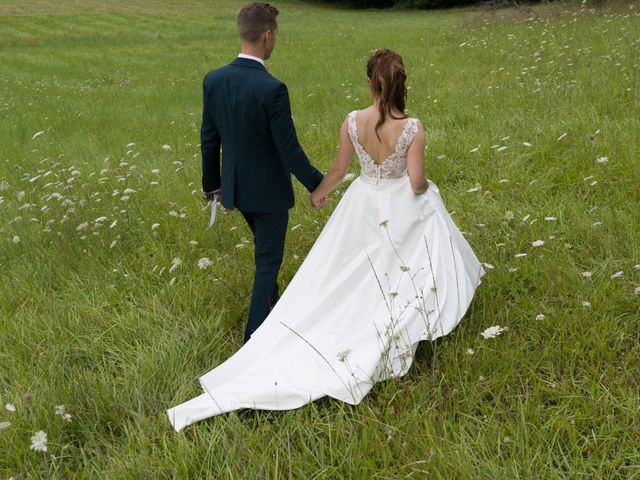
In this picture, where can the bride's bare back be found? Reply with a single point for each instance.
(389, 132)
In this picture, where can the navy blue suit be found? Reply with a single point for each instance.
(246, 112)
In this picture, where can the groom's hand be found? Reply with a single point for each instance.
(318, 202)
(210, 196)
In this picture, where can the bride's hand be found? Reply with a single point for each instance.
(318, 202)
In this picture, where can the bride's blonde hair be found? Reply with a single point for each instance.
(388, 77)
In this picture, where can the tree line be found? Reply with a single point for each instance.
(424, 4)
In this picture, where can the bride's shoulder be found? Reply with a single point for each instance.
(414, 123)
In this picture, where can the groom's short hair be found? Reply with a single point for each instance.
(255, 19)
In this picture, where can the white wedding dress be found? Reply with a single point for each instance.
(389, 269)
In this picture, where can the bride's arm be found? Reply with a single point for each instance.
(340, 167)
(415, 163)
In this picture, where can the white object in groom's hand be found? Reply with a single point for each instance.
(213, 199)
(214, 207)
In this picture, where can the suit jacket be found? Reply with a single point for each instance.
(246, 111)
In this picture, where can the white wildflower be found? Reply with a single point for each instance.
(587, 274)
(637, 291)
(113, 224)
(349, 176)
(470, 351)
(501, 149)
(62, 411)
(175, 263)
(550, 219)
(520, 255)
(20, 196)
(100, 219)
(166, 148)
(154, 226)
(602, 159)
(475, 189)
(204, 263)
(124, 198)
(493, 332)
(173, 281)
(537, 243)
(586, 304)
(637, 267)
(342, 356)
(526, 144)
(15, 239)
(4, 185)
(193, 242)
(113, 244)
(82, 226)
(509, 215)
(10, 407)
(617, 274)
(540, 316)
(155, 171)
(39, 442)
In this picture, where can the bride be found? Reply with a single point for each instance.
(389, 269)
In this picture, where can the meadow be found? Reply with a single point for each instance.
(107, 318)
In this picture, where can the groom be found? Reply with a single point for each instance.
(247, 112)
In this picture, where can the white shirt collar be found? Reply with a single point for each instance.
(251, 57)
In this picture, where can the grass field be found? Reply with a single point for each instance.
(533, 132)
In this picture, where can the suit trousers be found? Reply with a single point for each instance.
(269, 231)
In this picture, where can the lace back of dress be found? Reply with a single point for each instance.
(395, 165)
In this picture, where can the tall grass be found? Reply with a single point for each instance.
(97, 98)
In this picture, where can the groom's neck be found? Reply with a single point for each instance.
(253, 50)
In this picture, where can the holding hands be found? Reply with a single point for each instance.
(318, 201)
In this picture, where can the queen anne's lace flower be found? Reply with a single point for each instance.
(493, 332)
(175, 263)
(39, 442)
(204, 263)
(62, 411)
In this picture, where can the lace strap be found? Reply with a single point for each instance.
(351, 123)
(409, 132)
